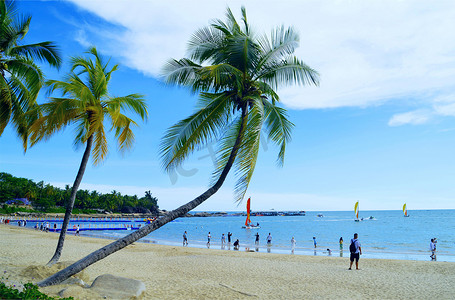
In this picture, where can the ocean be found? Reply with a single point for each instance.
(389, 235)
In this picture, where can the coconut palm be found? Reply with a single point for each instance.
(21, 79)
(86, 103)
(236, 73)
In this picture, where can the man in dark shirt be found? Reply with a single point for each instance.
(356, 251)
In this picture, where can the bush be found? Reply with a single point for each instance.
(30, 292)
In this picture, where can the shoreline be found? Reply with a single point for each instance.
(172, 272)
(372, 252)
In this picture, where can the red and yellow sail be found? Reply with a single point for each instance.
(248, 221)
(405, 210)
(356, 209)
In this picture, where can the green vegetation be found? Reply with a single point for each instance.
(20, 78)
(50, 199)
(30, 292)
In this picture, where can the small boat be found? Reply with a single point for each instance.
(405, 210)
(356, 211)
(248, 224)
(320, 215)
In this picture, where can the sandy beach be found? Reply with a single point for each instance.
(190, 273)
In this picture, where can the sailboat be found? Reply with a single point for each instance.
(356, 211)
(248, 224)
(405, 210)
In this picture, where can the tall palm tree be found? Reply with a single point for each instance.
(21, 79)
(86, 103)
(236, 73)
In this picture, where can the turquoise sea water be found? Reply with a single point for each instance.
(388, 235)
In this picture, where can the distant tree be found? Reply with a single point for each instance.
(236, 71)
(86, 102)
(20, 78)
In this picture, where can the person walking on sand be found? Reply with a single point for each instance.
(356, 251)
(433, 249)
(209, 236)
(77, 230)
(314, 241)
(185, 239)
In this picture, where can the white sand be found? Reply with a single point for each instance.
(191, 273)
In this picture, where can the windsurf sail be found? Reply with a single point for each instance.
(248, 221)
(405, 210)
(356, 210)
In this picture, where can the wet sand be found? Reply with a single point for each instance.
(171, 272)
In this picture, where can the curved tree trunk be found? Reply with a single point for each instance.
(70, 204)
(140, 233)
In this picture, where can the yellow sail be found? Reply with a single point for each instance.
(405, 211)
(356, 209)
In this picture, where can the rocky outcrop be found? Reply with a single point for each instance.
(106, 287)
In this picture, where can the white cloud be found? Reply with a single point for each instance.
(445, 110)
(413, 117)
(367, 52)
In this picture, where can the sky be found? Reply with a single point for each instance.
(379, 129)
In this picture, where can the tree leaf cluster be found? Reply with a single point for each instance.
(47, 198)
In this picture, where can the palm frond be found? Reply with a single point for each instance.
(182, 72)
(282, 43)
(100, 149)
(248, 153)
(5, 104)
(289, 71)
(195, 131)
(134, 102)
(22, 26)
(46, 52)
(29, 73)
(205, 43)
(57, 113)
(278, 128)
(123, 132)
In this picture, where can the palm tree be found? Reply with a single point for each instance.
(236, 73)
(21, 79)
(86, 103)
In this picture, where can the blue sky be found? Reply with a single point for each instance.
(380, 129)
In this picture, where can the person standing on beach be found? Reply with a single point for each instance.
(229, 237)
(433, 249)
(257, 239)
(77, 230)
(314, 241)
(356, 251)
(341, 243)
(208, 240)
(293, 245)
(269, 240)
(223, 239)
(185, 239)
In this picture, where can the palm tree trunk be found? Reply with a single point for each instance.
(70, 204)
(140, 233)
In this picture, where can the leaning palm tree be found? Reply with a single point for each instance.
(86, 103)
(236, 73)
(21, 79)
